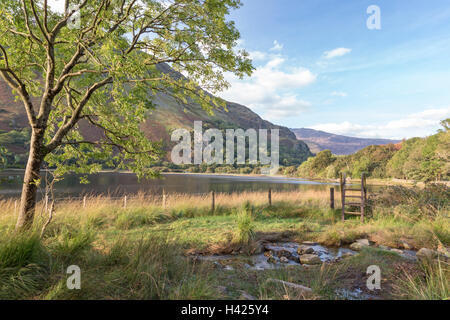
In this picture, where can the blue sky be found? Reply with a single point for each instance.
(319, 66)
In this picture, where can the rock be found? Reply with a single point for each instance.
(268, 253)
(310, 259)
(426, 254)
(405, 245)
(310, 243)
(304, 249)
(284, 260)
(257, 248)
(397, 251)
(271, 260)
(364, 242)
(357, 246)
(228, 268)
(283, 253)
(347, 254)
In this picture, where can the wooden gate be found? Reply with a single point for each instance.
(350, 196)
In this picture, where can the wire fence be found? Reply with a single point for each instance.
(162, 199)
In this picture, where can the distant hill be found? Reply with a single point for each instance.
(168, 116)
(340, 145)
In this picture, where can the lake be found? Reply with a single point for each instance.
(119, 183)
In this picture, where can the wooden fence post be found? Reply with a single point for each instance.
(125, 201)
(332, 198)
(270, 197)
(343, 177)
(213, 201)
(363, 196)
(84, 202)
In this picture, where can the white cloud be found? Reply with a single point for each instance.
(271, 91)
(257, 55)
(338, 52)
(276, 46)
(339, 94)
(287, 107)
(413, 125)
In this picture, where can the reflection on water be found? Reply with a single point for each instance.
(118, 183)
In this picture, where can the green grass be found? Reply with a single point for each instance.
(431, 283)
(143, 251)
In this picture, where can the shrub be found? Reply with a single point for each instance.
(245, 225)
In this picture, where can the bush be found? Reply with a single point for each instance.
(245, 226)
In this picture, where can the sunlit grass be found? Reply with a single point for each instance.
(111, 243)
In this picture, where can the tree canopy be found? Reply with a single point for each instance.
(98, 62)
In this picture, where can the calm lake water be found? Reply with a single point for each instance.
(118, 183)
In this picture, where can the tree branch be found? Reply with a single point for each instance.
(63, 130)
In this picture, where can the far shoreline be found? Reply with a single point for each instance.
(370, 181)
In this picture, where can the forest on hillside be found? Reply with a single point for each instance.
(424, 159)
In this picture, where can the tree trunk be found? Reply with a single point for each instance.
(32, 174)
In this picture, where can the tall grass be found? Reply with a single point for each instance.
(245, 228)
(432, 283)
(23, 265)
(151, 268)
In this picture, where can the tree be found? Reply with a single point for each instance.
(445, 124)
(100, 63)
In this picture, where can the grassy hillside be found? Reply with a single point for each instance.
(425, 159)
(168, 115)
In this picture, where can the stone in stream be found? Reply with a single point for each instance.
(310, 243)
(284, 260)
(364, 242)
(283, 253)
(405, 245)
(268, 253)
(310, 259)
(304, 249)
(359, 244)
(257, 248)
(271, 260)
(347, 254)
(397, 251)
(426, 254)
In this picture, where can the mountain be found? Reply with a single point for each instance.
(340, 145)
(169, 114)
